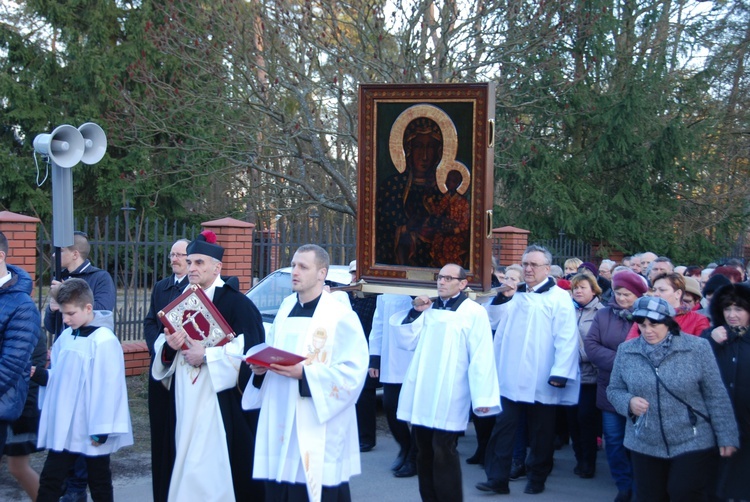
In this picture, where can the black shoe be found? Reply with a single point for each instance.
(517, 470)
(407, 470)
(399, 462)
(364, 447)
(584, 470)
(500, 488)
(477, 458)
(534, 487)
(587, 473)
(624, 496)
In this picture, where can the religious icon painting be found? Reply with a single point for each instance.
(426, 181)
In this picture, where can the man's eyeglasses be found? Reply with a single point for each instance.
(448, 278)
(177, 255)
(533, 265)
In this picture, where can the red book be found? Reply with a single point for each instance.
(198, 316)
(265, 355)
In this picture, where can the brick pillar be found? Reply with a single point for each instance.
(512, 241)
(236, 237)
(602, 249)
(21, 232)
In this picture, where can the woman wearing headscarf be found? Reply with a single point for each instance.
(677, 410)
(584, 418)
(608, 330)
(730, 310)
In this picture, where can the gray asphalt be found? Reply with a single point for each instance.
(377, 484)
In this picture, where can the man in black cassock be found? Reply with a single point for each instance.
(194, 374)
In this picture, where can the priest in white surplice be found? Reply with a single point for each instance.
(307, 444)
(453, 369)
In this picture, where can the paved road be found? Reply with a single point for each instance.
(377, 484)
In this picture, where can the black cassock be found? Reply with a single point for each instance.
(240, 425)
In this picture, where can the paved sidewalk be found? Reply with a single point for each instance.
(377, 484)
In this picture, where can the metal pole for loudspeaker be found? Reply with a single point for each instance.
(64, 148)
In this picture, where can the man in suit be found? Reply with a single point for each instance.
(161, 412)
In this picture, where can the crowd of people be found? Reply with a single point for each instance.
(644, 359)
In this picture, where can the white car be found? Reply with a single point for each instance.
(268, 294)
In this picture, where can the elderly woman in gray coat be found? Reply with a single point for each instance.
(669, 387)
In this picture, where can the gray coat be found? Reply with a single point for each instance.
(585, 318)
(690, 371)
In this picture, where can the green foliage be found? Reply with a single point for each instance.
(608, 126)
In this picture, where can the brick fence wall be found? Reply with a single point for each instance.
(137, 360)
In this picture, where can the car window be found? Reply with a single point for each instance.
(270, 292)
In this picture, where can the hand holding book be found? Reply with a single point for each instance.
(265, 355)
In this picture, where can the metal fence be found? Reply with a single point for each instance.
(135, 252)
(564, 248)
(274, 249)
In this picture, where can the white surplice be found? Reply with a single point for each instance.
(394, 361)
(453, 367)
(536, 338)
(201, 469)
(302, 438)
(86, 393)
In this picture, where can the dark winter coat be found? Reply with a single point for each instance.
(733, 358)
(101, 284)
(608, 330)
(162, 295)
(19, 334)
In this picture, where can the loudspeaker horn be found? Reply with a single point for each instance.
(95, 142)
(64, 146)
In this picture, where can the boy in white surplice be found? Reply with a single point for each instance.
(85, 405)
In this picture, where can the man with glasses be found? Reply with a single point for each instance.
(453, 369)
(536, 350)
(161, 412)
(75, 263)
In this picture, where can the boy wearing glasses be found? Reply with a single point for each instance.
(453, 369)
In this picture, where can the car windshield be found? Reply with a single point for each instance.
(268, 294)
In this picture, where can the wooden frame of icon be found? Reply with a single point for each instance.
(426, 155)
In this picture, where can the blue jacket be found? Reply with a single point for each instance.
(20, 328)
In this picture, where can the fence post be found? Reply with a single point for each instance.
(513, 242)
(21, 232)
(236, 237)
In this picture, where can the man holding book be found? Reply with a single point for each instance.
(213, 435)
(307, 445)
